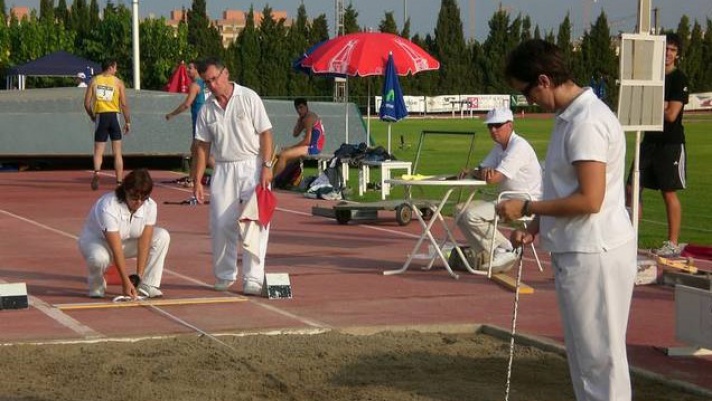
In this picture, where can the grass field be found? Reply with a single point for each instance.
(443, 154)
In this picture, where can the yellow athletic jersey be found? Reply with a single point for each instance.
(106, 94)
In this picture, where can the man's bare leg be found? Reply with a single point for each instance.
(98, 159)
(674, 215)
(286, 156)
(118, 161)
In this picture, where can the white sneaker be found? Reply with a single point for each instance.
(223, 285)
(96, 293)
(149, 291)
(503, 260)
(97, 287)
(250, 287)
(668, 250)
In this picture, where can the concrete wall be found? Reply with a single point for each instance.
(52, 122)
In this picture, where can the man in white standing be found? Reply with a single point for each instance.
(513, 165)
(234, 127)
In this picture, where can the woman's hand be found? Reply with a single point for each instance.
(128, 289)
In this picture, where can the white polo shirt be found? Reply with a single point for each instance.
(235, 131)
(587, 130)
(519, 164)
(108, 214)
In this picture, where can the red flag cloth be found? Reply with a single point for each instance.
(266, 204)
(697, 251)
(180, 81)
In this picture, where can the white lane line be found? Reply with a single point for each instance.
(86, 331)
(40, 225)
(52, 312)
(305, 321)
(64, 319)
(61, 318)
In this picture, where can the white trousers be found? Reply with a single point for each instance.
(477, 223)
(594, 292)
(98, 257)
(231, 186)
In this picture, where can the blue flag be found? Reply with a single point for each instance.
(392, 103)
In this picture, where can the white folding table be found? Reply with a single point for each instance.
(386, 167)
(451, 186)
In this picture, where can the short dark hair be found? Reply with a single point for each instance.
(108, 63)
(203, 64)
(673, 38)
(536, 57)
(300, 101)
(137, 182)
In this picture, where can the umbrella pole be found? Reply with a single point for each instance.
(389, 138)
(346, 103)
(368, 113)
(635, 196)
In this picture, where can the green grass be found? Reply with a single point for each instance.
(444, 154)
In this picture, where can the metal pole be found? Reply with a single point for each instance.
(136, 52)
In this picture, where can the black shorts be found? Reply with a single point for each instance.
(663, 166)
(107, 126)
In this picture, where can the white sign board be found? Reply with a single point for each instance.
(642, 76)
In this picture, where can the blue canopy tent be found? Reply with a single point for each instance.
(393, 107)
(57, 64)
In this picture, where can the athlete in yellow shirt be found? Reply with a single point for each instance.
(105, 97)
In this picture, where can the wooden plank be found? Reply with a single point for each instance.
(684, 264)
(151, 302)
(510, 283)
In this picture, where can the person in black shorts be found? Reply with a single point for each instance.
(104, 99)
(663, 157)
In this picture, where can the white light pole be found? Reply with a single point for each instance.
(136, 52)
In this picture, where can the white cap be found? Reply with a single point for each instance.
(498, 116)
(81, 75)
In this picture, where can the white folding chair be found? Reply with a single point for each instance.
(524, 220)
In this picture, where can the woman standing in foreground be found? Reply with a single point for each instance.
(582, 220)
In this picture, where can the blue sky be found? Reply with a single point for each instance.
(548, 14)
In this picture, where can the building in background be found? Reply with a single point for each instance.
(19, 12)
(232, 22)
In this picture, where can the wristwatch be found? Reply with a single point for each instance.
(268, 164)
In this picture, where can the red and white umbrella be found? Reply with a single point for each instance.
(365, 54)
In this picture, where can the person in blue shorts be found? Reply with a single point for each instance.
(314, 136)
(193, 101)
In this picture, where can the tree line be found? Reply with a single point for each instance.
(262, 56)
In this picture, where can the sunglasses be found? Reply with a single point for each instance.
(529, 88)
(495, 126)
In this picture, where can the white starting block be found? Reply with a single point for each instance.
(277, 286)
(693, 321)
(13, 296)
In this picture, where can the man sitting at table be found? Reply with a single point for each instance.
(314, 136)
(512, 164)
